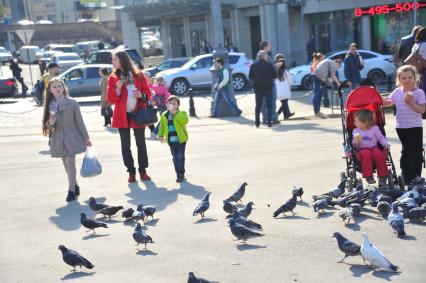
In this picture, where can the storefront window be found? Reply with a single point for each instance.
(198, 34)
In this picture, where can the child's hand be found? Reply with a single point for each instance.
(88, 143)
(162, 140)
(408, 97)
(386, 147)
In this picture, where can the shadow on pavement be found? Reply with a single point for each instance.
(68, 217)
(94, 236)
(75, 275)
(325, 214)
(146, 252)
(205, 220)
(360, 269)
(353, 226)
(292, 217)
(247, 247)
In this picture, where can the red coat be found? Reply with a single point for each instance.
(119, 119)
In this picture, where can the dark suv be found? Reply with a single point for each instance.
(105, 57)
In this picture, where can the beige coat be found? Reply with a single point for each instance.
(104, 87)
(69, 135)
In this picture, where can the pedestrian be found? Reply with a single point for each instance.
(365, 138)
(42, 67)
(323, 75)
(159, 99)
(208, 47)
(407, 43)
(222, 88)
(409, 101)
(106, 109)
(52, 71)
(151, 82)
(173, 131)
(263, 73)
(353, 65)
(310, 48)
(283, 87)
(420, 46)
(16, 72)
(128, 90)
(62, 118)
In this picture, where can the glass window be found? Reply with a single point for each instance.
(204, 63)
(165, 65)
(233, 59)
(104, 57)
(367, 55)
(92, 73)
(340, 55)
(76, 74)
(92, 58)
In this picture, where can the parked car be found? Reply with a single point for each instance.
(68, 48)
(167, 64)
(196, 73)
(87, 47)
(153, 47)
(66, 60)
(5, 55)
(376, 67)
(8, 87)
(83, 80)
(29, 54)
(105, 57)
(47, 56)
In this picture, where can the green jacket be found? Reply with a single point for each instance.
(180, 120)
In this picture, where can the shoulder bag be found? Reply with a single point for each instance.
(416, 60)
(147, 116)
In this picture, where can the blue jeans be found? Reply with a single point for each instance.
(178, 153)
(274, 106)
(319, 90)
(223, 94)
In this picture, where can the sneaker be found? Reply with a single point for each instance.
(370, 180)
(144, 176)
(276, 122)
(239, 113)
(70, 196)
(132, 178)
(77, 190)
(382, 181)
(180, 179)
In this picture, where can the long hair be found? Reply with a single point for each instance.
(48, 97)
(125, 64)
(317, 57)
(281, 71)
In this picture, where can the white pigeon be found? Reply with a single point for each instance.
(374, 256)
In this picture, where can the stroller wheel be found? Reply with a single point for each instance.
(401, 181)
(350, 185)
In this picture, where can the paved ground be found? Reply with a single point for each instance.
(221, 154)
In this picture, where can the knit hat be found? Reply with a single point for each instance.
(278, 57)
(52, 65)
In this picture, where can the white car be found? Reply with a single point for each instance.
(196, 73)
(5, 55)
(29, 54)
(66, 60)
(376, 67)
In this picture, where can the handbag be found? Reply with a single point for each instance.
(416, 60)
(147, 116)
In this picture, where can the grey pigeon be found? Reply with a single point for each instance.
(246, 222)
(149, 210)
(229, 207)
(109, 211)
(193, 279)
(289, 205)
(128, 213)
(246, 210)
(413, 193)
(203, 206)
(346, 214)
(139, 214)
(242, 232)
(321, 204)
(334, 193)
(298, 191)
(356, 209)
(238, 195)
(384, 209)
(385, 198)
(91, 224)
(347, 247)
(372, 254)
(74, 259)
(141, 237)
(96, 206)
(396, 221)
(417, 213)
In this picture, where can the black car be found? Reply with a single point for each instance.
(105, 57)
(8, 87)
(167, 64)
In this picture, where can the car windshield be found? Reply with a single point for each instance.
(192, 62)
(47, 55)
(64, 49)
(68, 58)
(3, 50)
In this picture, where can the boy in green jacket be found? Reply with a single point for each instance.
(173, 131)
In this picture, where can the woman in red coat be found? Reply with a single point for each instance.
(126, 87)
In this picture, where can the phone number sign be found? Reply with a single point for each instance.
(386, 9)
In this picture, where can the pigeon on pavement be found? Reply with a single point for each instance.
(384, 209)
(356, 209)
(396, 221)
(246, 210)
(334, 193)
(74, 259)
(346, 214)
(91, 224)
(139, 214)
(149, 210)
(242, 232)
(289, 205)
(128, 213)
(141, 237)
(238, 195)
(298, 191)
(347, 247)
(109, 211)
(203, 206)
(417, 213)
(321, 204)
(246, 222)
(370, 253)
(193, 279)
(229, 207)
(96, 206)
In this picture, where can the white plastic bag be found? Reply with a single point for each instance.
(90, 166)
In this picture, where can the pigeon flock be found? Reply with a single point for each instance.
(392, 204)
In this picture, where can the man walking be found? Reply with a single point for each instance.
(407, 43)
(16, 72)
(353, 65)
(263, 73)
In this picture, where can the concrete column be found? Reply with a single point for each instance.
(208, 27)
(366, 32)
(216, 12)
(283, 32)
(165, 38)
(131, 36)
(187, 36)
(268, 24)
(235, 27)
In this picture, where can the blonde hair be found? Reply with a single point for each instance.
(366, 117)
(407, 69)
(160, 79)
(316, 58)
(48, 97)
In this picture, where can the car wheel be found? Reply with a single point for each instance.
(307, 82)
(377, 76)
(180, 86)
(239, 82)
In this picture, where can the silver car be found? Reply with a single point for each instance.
(196, 73)
(5, 55)
(66, 60)
(83, 80)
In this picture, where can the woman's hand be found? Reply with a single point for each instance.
(52, 119)
(88, 143)
(119, 84)
(138, 94)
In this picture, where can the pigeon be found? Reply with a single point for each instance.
(321, 204)
(299, 192)
(74, 259)
(96, 206)
(242, 232)
(238, 195)
(373, 198)
(149, 210)
(246, 222)
(414, 193)
(392, 193)
(384, 198)
(384, 209)
(128, 213)
(374, 256)
(139, 214)
(229, 207)
(356, 209)
(334, 193)
(109, 211)
(246, 210)
(140, 237)
(202, 206)
(396, 221)
(347, 247)
(289, 205)
(417, 213)
(193, 279)
(91, 224)
(346, 213)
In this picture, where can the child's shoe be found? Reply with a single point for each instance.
(132, 178)
(382, 181)
(70, 196)
(77, 190)
(370, 180)
(180, 178)
(144, 176)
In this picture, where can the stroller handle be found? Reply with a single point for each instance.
(341, 86)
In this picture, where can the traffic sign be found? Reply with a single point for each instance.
(25, 35)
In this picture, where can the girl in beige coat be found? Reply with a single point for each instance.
(62, 118)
